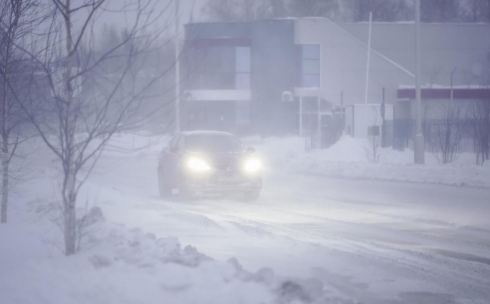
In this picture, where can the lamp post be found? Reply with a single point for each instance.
(319, 123)
(383, 126)
(177, 69)
(419, 153)
(368, 57)
(301, 116)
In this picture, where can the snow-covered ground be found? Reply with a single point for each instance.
(310, 238)
(352, 158)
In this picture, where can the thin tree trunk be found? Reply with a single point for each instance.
(5, 155)
(5, 136)
(69, 215)
(69, 186)
(5, 180)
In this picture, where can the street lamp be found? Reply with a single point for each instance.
(177, 69)
(419, 153)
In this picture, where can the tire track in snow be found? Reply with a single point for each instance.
(383, 244)
(455, 275)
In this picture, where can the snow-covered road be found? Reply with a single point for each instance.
(370, 241)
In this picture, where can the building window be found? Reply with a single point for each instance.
(211, 68)
(310, 66)
(219, 68)
(242, 112)
(242, 68)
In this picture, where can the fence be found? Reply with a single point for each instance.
(332, 128)
(404, 133)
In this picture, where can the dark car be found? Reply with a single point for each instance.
(209, 163)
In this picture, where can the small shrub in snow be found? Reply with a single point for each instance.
(292, 292)
(99, 261)
(372, 148)
(265, 275)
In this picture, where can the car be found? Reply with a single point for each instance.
(209, 163)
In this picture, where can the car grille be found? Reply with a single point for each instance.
(227, 174)
(227, 168)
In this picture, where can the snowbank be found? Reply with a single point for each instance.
(118, 265)
(352, 158)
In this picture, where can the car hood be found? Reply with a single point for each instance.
(227, 159)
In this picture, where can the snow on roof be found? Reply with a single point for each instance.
(205, 132)
(364, 105)
(412, 22)
(285, 18)
(438, 86)
(216, 22)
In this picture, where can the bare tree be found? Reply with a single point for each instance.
(349, 10)
(480, 112)
(312, 8)
(439, 10)
(383, 10)
(90, 101)
(445, 137)
(244, 10)
(475, 10)
(17, 20)
(278, 8)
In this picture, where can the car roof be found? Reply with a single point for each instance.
(205, 132)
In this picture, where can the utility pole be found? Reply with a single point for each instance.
(177, 69)
(419, 149)
(319, 123)
(383, 126)
(300, 116)
(368, 57)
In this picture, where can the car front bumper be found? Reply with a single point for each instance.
(213, 185)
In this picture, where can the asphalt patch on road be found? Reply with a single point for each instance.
(460, 255)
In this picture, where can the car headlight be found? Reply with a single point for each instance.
(198, 165)
(252, 165)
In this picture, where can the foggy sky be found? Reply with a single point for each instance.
(188, 8)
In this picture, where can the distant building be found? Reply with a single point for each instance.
(250, 76)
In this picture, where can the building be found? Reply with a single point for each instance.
(253, 76)
(235, 75)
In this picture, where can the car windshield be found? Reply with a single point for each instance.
(213, 143)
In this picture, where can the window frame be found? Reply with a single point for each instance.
(246, 72)
(304, 59)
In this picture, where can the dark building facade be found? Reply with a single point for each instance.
(234, 76)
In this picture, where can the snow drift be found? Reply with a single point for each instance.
(352, 158)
